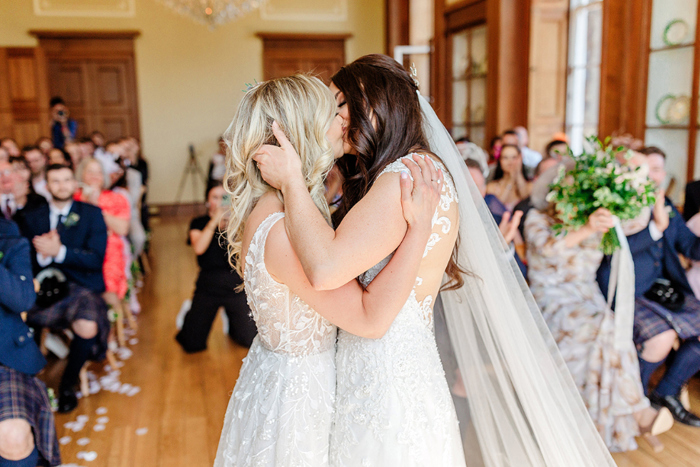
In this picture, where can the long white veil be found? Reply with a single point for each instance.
(521, 405)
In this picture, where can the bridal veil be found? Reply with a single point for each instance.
(522, 407)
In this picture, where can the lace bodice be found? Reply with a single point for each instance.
(442, 226)
(393, 406)
(286, 324)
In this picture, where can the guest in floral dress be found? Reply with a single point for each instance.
(562, 273)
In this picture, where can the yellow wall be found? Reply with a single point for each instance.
(190, 79)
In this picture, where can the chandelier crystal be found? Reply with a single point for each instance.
(212, 12)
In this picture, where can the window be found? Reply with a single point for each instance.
(583, 80)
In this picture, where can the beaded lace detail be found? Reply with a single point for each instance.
(285, 322)
(281, 409)
(393, 406)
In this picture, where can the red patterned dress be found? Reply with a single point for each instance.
(114, 268)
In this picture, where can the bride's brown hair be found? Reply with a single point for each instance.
(376, 87)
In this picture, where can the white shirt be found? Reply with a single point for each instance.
(54, 215)
(40, 188)
(530, 157)
(5, 200)
(108, 161)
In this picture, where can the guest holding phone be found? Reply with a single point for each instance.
(217, 281)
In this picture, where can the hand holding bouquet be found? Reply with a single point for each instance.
(599, 181)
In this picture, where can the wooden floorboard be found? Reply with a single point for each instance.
(183, 397)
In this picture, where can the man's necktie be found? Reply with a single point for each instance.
(7, 210)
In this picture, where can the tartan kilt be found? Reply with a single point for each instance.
(80, 303)
(651, 319)
(23, 396)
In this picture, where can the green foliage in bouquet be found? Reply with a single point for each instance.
(599, 181)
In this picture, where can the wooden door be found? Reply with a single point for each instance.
(548, 64)
(96, 78)
(24, 101)
(287, 54)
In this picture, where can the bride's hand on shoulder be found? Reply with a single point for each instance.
(420, 198)
(279, 165)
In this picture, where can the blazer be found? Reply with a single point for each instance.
(85, 241)
(692, 200)
(17, 347)
(656, 259)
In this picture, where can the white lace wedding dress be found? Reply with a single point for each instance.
(280, 412)
(393, 405)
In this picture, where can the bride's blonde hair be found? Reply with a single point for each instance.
(304, 109)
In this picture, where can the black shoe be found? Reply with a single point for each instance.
(67, 401)
(673, 404)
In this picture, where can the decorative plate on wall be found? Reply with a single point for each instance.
(672, 109)
(675, 32)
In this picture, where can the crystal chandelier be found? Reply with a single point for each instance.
(213, 12)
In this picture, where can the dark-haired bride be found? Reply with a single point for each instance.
(393, 405)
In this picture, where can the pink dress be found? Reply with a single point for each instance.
(114, 267)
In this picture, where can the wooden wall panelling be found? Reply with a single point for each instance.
(692, 134)
(396, 29)
(95, 74)
(23, 94)
(548, 67)
(285, 54)
(624, 62)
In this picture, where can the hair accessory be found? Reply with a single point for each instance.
(414, 74)
(249, 86)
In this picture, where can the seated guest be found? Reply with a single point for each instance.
(217, 281)
(11, 146)
(37, 164)
(74, 152)
(502, 217)
(98, 139)
(562, 274)
(139, 163)
(4, 155)
(44, 144)
(27, 430)
(25, 197)
(70, 236)
(556, 149)
(87, 148)
(530, 157)
(60, 157)
(655, 251)
(133, 178)
(525, 205)
(692, 200)
(494, 151)
(115, 210)
(509, 184)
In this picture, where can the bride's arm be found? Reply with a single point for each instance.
(372, 229)
(366, 313)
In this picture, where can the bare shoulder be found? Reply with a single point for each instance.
(267, 205)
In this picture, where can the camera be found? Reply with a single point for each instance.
(61, 113)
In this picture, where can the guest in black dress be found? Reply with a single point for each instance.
(216, 283)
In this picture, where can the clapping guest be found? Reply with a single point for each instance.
(116, 212)
(27, 430)
(37, 164)
(74, 153)
(562, 274)
(530, 157)
(509, 185)
(217, 281)
(26, 198)
(70, 236)
(665, 307)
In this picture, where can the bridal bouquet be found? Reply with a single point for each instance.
(599, 181)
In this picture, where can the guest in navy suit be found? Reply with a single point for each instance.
(27, 430)
(655, 251)
(72, 237)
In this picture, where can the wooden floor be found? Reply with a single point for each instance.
(183, 397)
